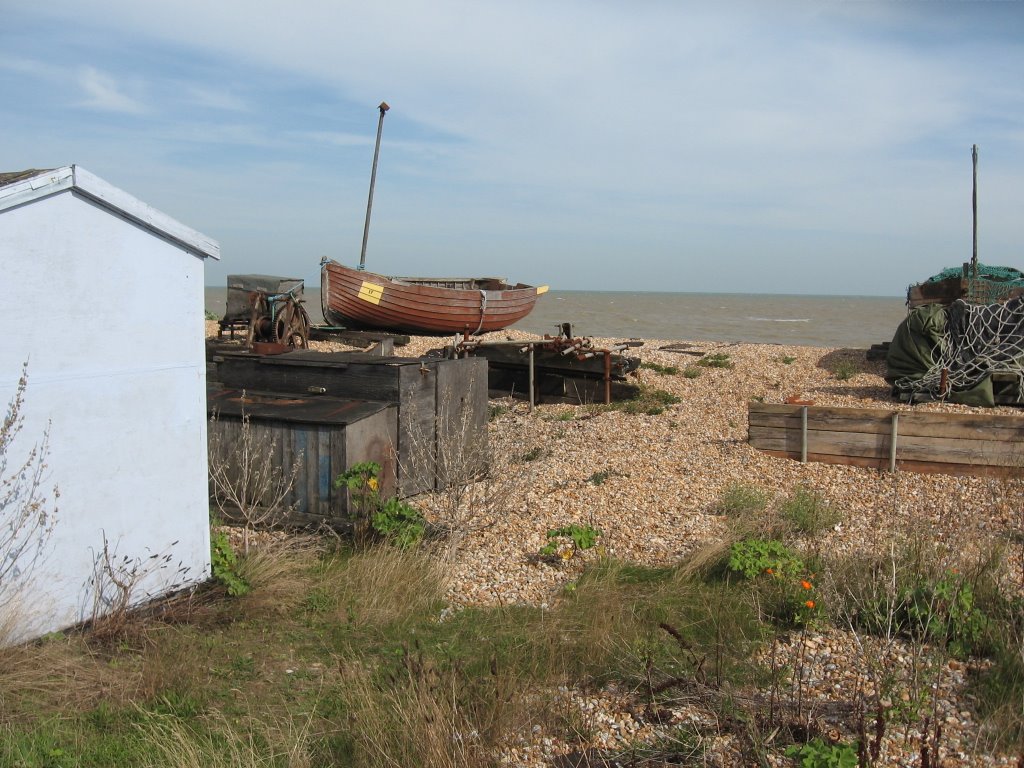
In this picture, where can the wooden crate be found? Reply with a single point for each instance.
(442, 404)
(322, 437)
(988, 445)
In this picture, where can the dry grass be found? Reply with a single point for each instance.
(385, 585)
(279, 572)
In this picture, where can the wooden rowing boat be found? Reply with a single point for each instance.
(422, 305)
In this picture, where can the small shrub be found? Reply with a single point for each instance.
(580, 537)
(739, 499)
(664, 370)
(753, 557)
(691, 372)
(390, 519)
(845, 369)
(598, 478)
(787, 359)
(496, 411)
(716, 360)
(809, 512)
(224, 565)
(212, 315)
(533, 454)
(650, 402)
(817, 754)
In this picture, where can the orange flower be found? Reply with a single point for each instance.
(806, 584)
(769, 571)
(809, 603)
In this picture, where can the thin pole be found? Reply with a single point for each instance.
(974, 207)
(373, 180)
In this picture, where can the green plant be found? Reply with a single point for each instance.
(817, 754)
(845, 369)
(580, 537)
(739, 499)
(224, 564)
(647, 401)
(787, 359)
(537, 452)
(664, 370)
(753, 557)
(496, 411)
(716, 360)
(808, 511)
(780, 577)
(598, 478)
(212, 315)
(691, 372)
(390, 519)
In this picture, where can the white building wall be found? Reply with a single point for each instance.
(109, 317)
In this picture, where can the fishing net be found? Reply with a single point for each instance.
(951, 352)
(992, 283)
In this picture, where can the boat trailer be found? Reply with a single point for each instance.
(551, 365)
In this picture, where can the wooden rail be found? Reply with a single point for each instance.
(917, 441)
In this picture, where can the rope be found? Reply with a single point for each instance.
(483, 310)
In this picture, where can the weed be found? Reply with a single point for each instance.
(691, 372)
(817, 754)
(716, 360)
(390, 519)
(753, 557)
(211, 315)
(568, 541)
(809, 512)
(787, 359)
(602, 476)
(845, 369)
(739, 499)
(496, 410)
(224, 564)
(537, 452)
(664, 370)
(650, 402)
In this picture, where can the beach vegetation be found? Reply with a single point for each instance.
(740, 499)
(389, 519)
(664, 370)
(716, 360)
(808, 511)
(569, 540)
(648, 401)
(845, 369)
(691, 372)
(787, 359)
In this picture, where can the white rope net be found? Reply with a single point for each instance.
(980, 339)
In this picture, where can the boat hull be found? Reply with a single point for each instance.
(365, 300)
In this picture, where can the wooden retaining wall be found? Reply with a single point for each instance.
(988, 445)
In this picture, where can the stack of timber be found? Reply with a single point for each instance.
(319, 438)
(985, 445)
(559, 368)
(441, 404)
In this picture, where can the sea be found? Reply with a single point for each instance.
(817, 321)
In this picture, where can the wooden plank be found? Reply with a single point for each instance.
(461, 403)
(964, 426)
(927, 467)
(933, 449)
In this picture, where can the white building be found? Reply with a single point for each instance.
(104, 302)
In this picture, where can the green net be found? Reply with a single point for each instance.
(992, 284)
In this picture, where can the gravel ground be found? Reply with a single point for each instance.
(662, 478)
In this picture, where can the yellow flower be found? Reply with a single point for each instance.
(372, 482)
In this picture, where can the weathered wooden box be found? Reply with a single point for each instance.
(320, 437)
(442, 404)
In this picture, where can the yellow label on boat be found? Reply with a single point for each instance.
(371, 292)
(542, 289)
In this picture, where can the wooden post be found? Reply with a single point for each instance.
(892, 441)
(531, 379)
(803, 434)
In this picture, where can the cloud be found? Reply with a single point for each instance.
(103, 93)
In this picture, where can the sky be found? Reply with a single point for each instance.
(644, 145)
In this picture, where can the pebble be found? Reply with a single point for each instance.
(658, 503)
